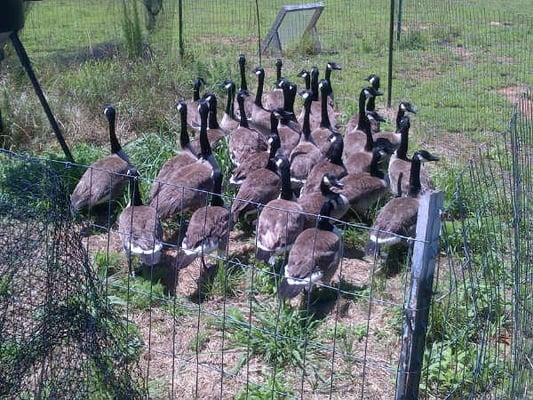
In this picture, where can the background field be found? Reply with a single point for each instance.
(464, 64)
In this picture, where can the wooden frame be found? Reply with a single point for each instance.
(272, 40)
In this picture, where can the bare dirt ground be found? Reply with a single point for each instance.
(517, 96)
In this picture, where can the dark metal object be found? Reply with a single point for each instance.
(399, 22)
(418, 300)
(11, 15)
(258, 31)
(391, 47)
(26, 63)
(180, 28)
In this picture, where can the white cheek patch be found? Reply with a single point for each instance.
(327, 181)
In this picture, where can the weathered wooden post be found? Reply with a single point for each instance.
(418, 299)
(180, 29)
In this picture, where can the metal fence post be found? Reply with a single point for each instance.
(180, 28)
(391, 41)
(418, 299)
(399, 23)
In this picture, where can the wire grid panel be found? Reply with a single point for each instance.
(476, 344)
(217, 328)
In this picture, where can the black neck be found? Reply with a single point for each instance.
(324, 224)
(244, 120)
(134, 192)
(363, 119)
(232, 107)
(229, 103)
(271, 165)
(115, 145)
(184, 135)
(374, 166)
(307, 79)
(213, 122)
(414, 177)
(216, 198)
(259, 93)
(278, 73)
(369, 144)
(401, 153)
(314, 85)
(274, 146)
(273, 124)
(371, 104)
(205, 147)
(286, 190)
(244, 86)
(399, 185)
(327, 75)
(196, 92)
(324, 121)
(399, 117)
(306, 128)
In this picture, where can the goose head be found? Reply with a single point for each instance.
(333, 66)
(242, 60)
(324, 87)
(405, 106)
(330, 181)
(110, 113)
(307, 96)
(374, 81)
(259, 71)
(424, 156)
(374, 116)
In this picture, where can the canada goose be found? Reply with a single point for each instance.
(313, 258)
(311, 202)
(274, 99)
(321, 134)
(244, 141)
(139, 226)
(185, 189)
(229, 122)
(331, 164)
(399, 215)
(356, 139)
(259, 160)
(331, 66)
(280, 221)
(260, 116)
(208, 229)
(399, 163)
(248, 99)
(363, 190)
(193, 118)
(374, 81)
(186, 156)
(315, 118)
(214, 132)
(259, 187)
(306, 154)
(395, 137)
(105, 179)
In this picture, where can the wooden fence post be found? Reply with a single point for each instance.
(418, 299)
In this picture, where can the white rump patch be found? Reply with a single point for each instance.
(386, 240)
(312, 279)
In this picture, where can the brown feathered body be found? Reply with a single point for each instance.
(312, 203)
(243, 142)
(323, 167)
(251, 163)
(302, 160)
(273, 99)
(215, 137)
(141, 233)
(289, 139)
(208, 230)
(397, 217)
(363, 190)
(399, 166)
(359, 162)
(104, 180)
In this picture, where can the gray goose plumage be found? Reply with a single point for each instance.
(356, 139)
(394, 138)
(259, 187)
(306, 154)
(400, 164)
(105, 179)
(280, 221)
(209, 227)
(374, 81)
(313, 258)
(363, 190)
(185, 157)
(399, 215)
(244, 141)
(332, 164)
(312, 202)
(185, 189)
(193, 118)
(229, 122)
(274, 98)
(259, 160)
(139, 226)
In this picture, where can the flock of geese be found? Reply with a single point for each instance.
(295, 172)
